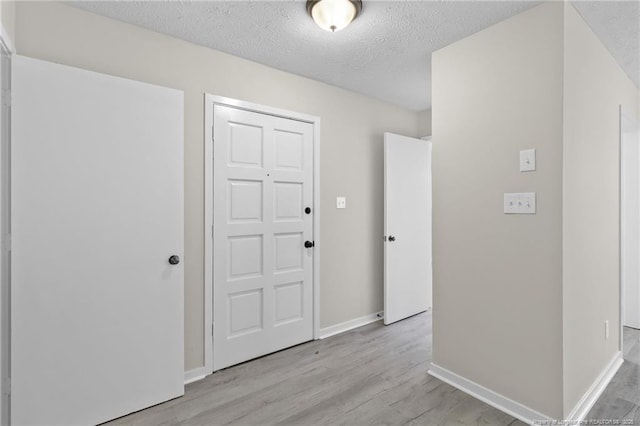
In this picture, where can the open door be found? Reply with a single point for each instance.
(97, 216)
(407, 227)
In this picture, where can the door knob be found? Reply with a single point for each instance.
(174, 260)
(309, 244)
(392, 238)
(307, 210)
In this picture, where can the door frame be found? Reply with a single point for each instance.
(621, 228)
(209, 102)
(6, 49)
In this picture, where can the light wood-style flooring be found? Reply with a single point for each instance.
(621, 400)
(374, 375)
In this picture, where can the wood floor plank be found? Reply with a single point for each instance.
(621, 398)
(374, 375)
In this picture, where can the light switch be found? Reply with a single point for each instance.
(341, 202)
(528, 160)
(520, 203)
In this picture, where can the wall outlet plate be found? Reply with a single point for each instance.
(528, 160)
(341, 202)
(520, 203)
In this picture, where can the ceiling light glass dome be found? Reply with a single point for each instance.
(333, 15)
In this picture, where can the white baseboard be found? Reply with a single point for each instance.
(350, 325)
(502, 403)
(195, 375)
(592, 394)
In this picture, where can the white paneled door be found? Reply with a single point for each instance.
(97, 212)
(407, 227)
(263, 234)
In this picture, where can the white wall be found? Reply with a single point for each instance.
(351, 150)
(497, 278)
(594, 88)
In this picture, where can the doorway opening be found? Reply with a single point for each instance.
(629, 234)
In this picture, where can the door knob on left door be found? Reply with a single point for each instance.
(309, 244)
(392, 238)
(174, 260)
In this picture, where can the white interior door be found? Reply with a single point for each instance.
(630, 207)
(407, 227)
(97, 210)
(263, 215)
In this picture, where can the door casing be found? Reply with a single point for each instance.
(209, 102)
(6, 50)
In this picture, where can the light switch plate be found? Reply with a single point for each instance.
(520, 203)
(341, 202)
(528, 160)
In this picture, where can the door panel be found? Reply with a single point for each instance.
(263, 171)
(245, 200)
(407, 227)
(289, 150)
(288, 201)
(97, 184)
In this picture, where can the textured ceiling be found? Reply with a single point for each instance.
(617, 24)
(385, 53)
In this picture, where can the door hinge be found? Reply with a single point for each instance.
(212, 329)
(212, 138)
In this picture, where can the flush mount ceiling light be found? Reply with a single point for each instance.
(333, 15)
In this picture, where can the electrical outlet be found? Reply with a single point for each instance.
(341, 202)
(606, 330)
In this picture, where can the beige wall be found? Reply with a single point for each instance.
(520, 301)
(424, 123)
(594, 87)
(7, 17)
(498, 278)
(351, 147)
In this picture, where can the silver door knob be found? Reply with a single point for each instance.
(392, 238)
(174, 260)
